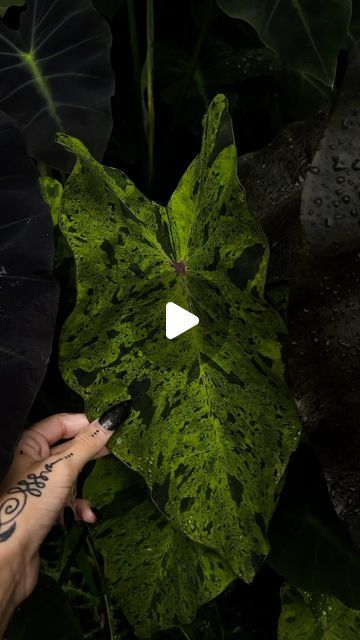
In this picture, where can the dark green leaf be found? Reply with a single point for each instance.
(213, 423)
(159, 576)
(56, 76)
(28, 294)
(5, 4)
(307, 35)
(306, 616)
(310, 547)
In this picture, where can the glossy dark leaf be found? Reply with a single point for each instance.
(28, 294)
(298, 31)
(58, 65)
(324, 308)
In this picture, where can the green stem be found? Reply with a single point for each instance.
(43, 169)
(103, 586)
(135, 54)
(194, 62)
(149, 65)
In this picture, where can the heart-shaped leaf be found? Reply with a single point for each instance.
(213, 423)
(28, 293)
(307, 35)
(158, 576)
(305, 616)
(56, 76)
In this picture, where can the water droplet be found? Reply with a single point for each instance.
(318, 202)
(340, 179)
(346, 199)
(338, 164)
(339, 192)
(336, 203)
(354, 212)
(345, 123)
(356, 165)
(314, 170)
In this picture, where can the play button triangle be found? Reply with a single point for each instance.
(178, 320)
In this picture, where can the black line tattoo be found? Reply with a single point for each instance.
(12, 507)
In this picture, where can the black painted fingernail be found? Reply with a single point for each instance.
(69, 518)
(99, 516)
(115, 416)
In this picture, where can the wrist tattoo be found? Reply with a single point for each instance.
(12, 507)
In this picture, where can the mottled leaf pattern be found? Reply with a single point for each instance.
(159, 576)
(52, 191)
(306, 616)
(213, 423)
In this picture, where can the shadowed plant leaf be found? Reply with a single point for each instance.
(306, 616)
(108, 7)
(307, 35)
(310, 547)
(28, 294)
(58, 65)
(158, 576)
(324, 309)
(213, 423)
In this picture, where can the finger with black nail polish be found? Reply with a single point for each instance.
(114, 416)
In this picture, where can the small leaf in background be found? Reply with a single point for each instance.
(310, 547)
(307, 35)
(158, 576)
(213, 423)
(52, 191)
(58, 65)
(324, 310)
(305, 616)
(29, 294)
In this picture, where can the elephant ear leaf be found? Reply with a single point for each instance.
(28, 293)
(213, 423)
(58, 65)
(296, 31)
(158, 576)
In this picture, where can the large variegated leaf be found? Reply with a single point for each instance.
(306, 616)
(213, 423)
(158, 576)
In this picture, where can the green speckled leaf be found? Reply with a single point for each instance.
(52, 191)
(213, 423)
(158, 576)
(306, 616)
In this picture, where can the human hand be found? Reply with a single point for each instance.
(38, 485)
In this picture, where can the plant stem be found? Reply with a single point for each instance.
(149, 69)
(194, 62)
(135, 54)
(103, 586)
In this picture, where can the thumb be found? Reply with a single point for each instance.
(92, 438)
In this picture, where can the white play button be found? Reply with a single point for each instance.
(178, 320)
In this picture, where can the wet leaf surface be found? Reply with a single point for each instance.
(324, 309)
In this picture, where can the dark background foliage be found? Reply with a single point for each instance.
(279, 120)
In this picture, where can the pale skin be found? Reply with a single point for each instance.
(39, 484)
